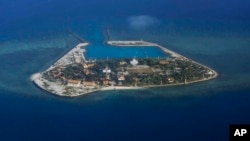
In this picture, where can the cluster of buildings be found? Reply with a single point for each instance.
(106, 78)
(79, 83)
(86, 76)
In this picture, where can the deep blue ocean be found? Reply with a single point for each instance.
(33, 34)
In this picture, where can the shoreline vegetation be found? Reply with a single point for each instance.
(73, 75)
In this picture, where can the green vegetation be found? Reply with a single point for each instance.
(74, 72)
(148, 72)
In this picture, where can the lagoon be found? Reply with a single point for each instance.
(101, 51)
(196, 112)
(98, 49)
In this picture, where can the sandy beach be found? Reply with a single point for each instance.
(58, 89)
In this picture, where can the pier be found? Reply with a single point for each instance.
(76, 36)
(54, 82)
(167, 51)
(144, 43)
(107, 34)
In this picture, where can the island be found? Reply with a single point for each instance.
(74, 75)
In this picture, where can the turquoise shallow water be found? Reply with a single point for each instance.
(98, 49)
(102, 51)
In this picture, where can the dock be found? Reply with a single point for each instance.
(107, 34)
(77, 56)
(77, 36)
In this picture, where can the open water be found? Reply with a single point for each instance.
(33, 34)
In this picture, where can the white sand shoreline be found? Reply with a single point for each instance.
(35, 79)
(58, 89)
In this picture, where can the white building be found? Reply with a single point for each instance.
(134, 62)
(78, 59)
(123, 63)
(121, 77)
(106, 70)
